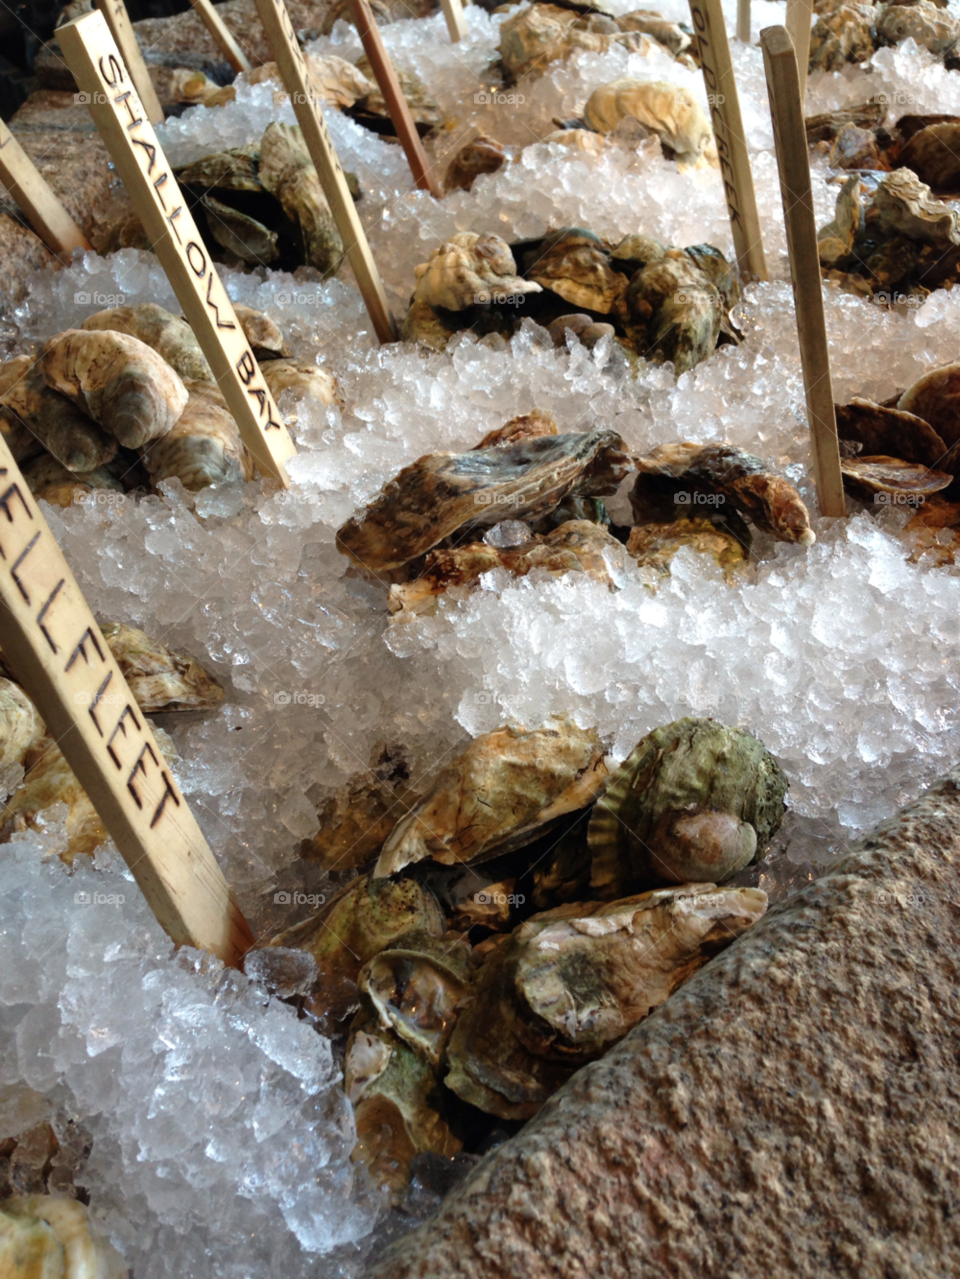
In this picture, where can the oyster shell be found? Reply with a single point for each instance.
(288, 173)
(891, 432)
(204, 444)
(845, 35)
(48, 1237)
(50, 480)
(232, 170)
(525, 426)
(655, 545)
(933, 154)
(835, 240)
(479, 156)
(693, 800)
(296, 382)
(240, 234)
(21, 727)
(670, 34)
(160, 678)
(936, 398)
(668, 110)
(674, 311)
(934, 533)
(873, 479)
(125, 386)
(826, 126)
(266, 340)
(507, 788)
(169, 335)
(543, 33)
(578, 140)
(574, 264)
(906, 206)
(51, 420)
(416, 988)
(771, 503)
(422, 324)
(443, 493)
(931, 27)
(333, 79)
(423, 108)
(465, 270)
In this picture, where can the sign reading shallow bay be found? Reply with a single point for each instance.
(713, 49)
(59, 654)
(118, 114)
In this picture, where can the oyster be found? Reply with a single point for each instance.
(655, 545)
(264, 335)
(674, 311)
(241, 235)
(933, 154)
(42, 417)
(50, 480)
(835, 240)
(46, 1237)
(422, 324)
(288, 173)
(416, 988)
(892, 432)
(169, 335)
(936, 398)
(125, 386)
(574, 264)
(875, 479)
(845, 35)
(194, 88)
(904, 205)
(232, 170)
(396, 1102)
(444, 493)
(525, 426)
(507, 788)
(718, 470)
(669, 34)
(204, 444)
(825, 127)
(295, 383)
(934, 533)
(20, 724)
(333, 79)
(931, 27)
(160, 678)
(578, 140)
(665, 109)
(465, 270)
(481, 155)
(543, 33)
(693, 800)
(372, 109)
(575, 546)
(365, 917)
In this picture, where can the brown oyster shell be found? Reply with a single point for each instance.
(443, 493)
(169, 335)
(507, 788)
(933, 154)
(481, 155)
(50, 480)
(935, 397)
(288, 173)
(930, 26)
(668, 110)
(889, 431)
(263, 334)
(468, 270)
(845, 35)
(21, 727)
(876, 479)
(203, 446)
(826, 126)
(160, 678)
(241, 235)
(574, 265)
(674, 311)
(525, 426)
(906, 206)
(655, 545)
(40, 417)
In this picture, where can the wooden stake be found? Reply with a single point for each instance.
(95, 62)
(710, 35)
(799, 19)
(397, 104)
(783, 87)
(57, 651)
(52, 223)
(743, 21)
(224, 37)
(296, 79)
(121, 28)
(456, 21)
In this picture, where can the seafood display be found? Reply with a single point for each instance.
(656, 302)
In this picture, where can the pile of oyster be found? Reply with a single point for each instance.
(128, 400)
(519, 915)
(848, 31)
(35, 776)
(653, 301)
(530, 498)
(48, 1237)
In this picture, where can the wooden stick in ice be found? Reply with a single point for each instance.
(226, 41)
(119, 115)
(121, 28)
(58, 653)
(710, 36)
(296, 79)
(52, 223)
(783, 87)
(397, 105)
(456, 21)
(743, 21)
(799, 19)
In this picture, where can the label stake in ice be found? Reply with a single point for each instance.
(783, 88)
(397, 104)
(743, 21)
(799, 19)
(52, 223)
(121, 28)
(95, 62)
(295, 75)
(58, 652)
(710, 36)
(456, 22)
(226, 41)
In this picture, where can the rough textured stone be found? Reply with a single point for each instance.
(793, 1110)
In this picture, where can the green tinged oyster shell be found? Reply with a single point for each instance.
(695, 800)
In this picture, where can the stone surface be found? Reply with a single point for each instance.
(793, 1110)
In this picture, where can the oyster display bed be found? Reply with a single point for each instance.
(206, 1122)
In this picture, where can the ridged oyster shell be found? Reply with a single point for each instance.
(466, 270)
(668, 110)
(169, 335)
(288, 173)
(574, 264)
(49, 1237)
(204, 444)
(44, 419)
(479, 156)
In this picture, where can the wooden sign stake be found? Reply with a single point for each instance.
(296, 79)
(456, 20)
(224, 37)
(714, 50)
(783, 87)
(52, 223)
(118, 114)
(397, 104)
(799, 19)
(743, 21)
(121, 28)
(57, 651)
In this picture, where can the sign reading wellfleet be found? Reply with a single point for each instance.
(58, 652)
(713, 49)
(117, 112)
